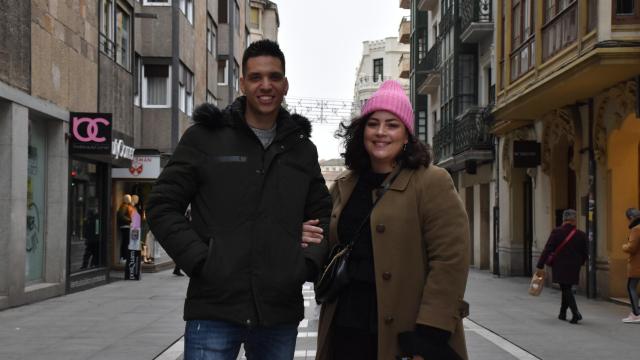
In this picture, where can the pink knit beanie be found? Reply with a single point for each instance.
(392, 98)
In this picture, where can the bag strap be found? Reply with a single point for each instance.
(565, 241)
(381, 191)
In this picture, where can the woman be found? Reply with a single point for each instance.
(632, 247)
(409, 268)
(569, 246)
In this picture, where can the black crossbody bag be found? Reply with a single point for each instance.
(334, 276)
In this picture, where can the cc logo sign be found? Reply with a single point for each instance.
(91, 129)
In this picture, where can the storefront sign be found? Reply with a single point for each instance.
(90, 133)
(120, 150)
(142, 167)
(526, 154)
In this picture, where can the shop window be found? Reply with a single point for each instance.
(36, 181)
(156, 85)
(87, 241)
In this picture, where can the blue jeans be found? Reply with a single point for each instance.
(220, 340)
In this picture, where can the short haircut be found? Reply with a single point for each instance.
(632, 213)
(568, 214)
(356, 158)
(264, 47)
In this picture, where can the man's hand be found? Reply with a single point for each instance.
(311, 233)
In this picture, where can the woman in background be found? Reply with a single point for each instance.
(632, 247)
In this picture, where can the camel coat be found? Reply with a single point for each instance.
(420, 236)
(632, 247)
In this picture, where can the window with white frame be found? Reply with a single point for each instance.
(123, 37)
(211, 99)
(106, 27)
(156, 86)
(236, 76)
(137, 80)
(222, 72)
(211, 35)
(185, 90)
(186, 6)
(236, 17)
(156, 2)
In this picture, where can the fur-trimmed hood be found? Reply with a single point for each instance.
(233, 115)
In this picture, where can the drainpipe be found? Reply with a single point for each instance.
(175, 73)
(591, 219)
(496, 211)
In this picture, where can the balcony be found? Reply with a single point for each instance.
(427, 5)
(467, 139)
(405, 30)
(367, 82)
(405, 4)
(472, 133)
(476, 20)
(430, 68)
(405, 66)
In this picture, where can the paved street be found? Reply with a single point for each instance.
(142, 320)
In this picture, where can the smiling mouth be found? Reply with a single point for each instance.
(266, 100)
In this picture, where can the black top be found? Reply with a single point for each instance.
(357, 306)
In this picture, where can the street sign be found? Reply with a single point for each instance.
(526, 154)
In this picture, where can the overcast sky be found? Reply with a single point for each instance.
(322, 43)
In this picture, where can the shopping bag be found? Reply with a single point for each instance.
(536, 285)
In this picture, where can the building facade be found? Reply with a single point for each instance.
(94, 96)
(452, 85)
(380, 61)
(568, 92)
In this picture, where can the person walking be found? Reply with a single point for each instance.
(632, 248)
(123, 219)
(567, 247)
(259, 207)
(409, 266)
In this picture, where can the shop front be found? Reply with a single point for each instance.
(93, 150)
(136, 181)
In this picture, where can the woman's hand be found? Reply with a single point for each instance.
(311, 233)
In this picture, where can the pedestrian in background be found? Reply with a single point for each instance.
(123, 219)
(251, 175)
(409, 267)
(566, 249)
(632, 248)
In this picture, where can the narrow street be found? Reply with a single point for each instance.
(142, 320)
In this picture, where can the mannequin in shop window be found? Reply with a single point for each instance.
(124, 225)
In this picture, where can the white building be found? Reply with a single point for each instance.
(379, 62)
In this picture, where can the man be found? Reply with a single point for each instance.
(569, 248)
(252, 177)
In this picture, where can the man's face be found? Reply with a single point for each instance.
(264, 85)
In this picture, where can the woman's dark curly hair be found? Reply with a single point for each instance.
(356, 158)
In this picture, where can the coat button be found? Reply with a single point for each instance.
(380, 228)
(388, 320)
(386, 275)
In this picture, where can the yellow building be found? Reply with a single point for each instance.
(567, 79)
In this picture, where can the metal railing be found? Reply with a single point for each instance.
(433, 59)
(472, 131)
(367, 81)
(442, 143)
(475, 11)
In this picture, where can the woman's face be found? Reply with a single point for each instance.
(384, 137)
